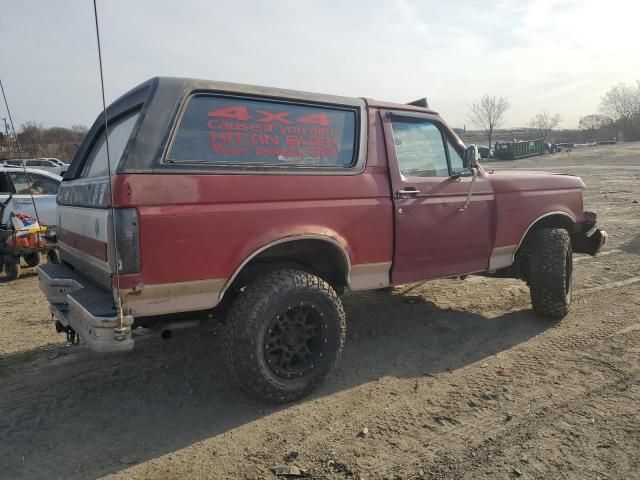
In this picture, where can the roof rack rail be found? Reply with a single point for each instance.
(421, 102)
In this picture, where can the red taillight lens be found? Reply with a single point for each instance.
(126, 223)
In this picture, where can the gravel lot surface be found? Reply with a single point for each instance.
(416, 393)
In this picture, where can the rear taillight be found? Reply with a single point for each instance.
(126, 224)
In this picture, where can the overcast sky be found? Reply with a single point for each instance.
(558, 55)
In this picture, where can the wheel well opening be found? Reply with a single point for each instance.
(320, 257)
(521, 267)
(551, 221)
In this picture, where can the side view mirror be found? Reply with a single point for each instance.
(471, 156)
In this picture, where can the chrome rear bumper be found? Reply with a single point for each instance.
(87, 309)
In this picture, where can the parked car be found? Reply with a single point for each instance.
(43, 185)
(268, 204)
(51, 165)
(485, 152)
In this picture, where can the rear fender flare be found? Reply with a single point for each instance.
(291, 238)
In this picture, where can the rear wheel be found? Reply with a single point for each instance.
(550, 272)
(32, 259)
(285, 333)
(12, 267)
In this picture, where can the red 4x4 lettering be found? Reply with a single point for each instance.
(241, 113)
(321, 119)
(270, 117)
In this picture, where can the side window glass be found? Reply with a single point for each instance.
(455, 158)
(20, 183)
(119, 132)
(419, 149)
(43, 185)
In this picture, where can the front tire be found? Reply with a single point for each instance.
(12, 267)
(284, 334)
(550, 272)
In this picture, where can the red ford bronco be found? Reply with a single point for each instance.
(271, 203)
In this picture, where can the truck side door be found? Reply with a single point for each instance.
(434, 235)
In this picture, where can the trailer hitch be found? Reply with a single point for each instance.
(72, 337)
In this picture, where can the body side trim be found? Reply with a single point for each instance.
(369, 276)
(502, 257)
(166, 298)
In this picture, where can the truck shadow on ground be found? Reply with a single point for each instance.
(71, 413)
(632, 246)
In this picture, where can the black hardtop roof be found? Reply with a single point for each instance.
(160, 99)
(191, 84)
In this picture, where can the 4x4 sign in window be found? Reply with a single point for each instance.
(240, 131)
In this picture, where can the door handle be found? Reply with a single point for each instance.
(407, 192)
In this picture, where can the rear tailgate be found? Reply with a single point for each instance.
(84, 238)
(85, 217)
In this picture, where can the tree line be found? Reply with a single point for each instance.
(618, 117)
(38, 141)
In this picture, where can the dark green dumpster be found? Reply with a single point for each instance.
(519, 149)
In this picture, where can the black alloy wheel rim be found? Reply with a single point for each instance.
(294, 340)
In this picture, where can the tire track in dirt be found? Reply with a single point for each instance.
(411, 423)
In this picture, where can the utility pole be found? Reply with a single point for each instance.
(6, 131)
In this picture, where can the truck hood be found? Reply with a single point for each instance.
(522, 180)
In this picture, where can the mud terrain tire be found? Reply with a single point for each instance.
(550, 272)
(284, 334)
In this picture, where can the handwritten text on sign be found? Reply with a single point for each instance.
(236, 131)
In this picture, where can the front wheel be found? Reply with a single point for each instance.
(12, 267)
(550, 272)
(284, 334)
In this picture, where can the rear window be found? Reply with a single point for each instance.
(119, 132)
(240, 131)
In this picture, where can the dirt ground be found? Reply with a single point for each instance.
(416, 393)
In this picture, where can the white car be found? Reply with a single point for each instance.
(51, 165)
(43, 185)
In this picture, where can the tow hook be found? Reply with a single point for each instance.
(72, 337)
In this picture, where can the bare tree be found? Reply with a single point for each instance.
(593, 122)
(81, 130)
(487, 113)
(543, 123)
(58, 142)
(31, 137)
(595, 126)
(622, 103)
